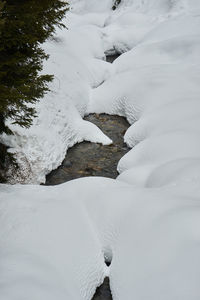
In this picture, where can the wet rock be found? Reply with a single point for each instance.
(3, 163)
(103, 292)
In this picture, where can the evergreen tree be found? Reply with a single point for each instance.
(24, 26)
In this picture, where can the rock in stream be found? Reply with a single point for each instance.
(103, 292)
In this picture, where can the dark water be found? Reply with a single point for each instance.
(111, 58)
(92, 159)
(103, 292)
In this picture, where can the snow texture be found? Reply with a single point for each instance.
(147, 222)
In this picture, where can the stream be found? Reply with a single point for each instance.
(93, 159)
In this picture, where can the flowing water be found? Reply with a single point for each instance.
(92, 159)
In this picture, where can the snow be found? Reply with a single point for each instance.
(75, 62)
(40, 246)
(54, 239)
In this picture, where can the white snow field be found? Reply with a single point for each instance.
(146, 222)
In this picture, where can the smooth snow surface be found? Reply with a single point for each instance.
(147, 222)
(54, 240)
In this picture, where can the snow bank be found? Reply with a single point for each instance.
(156, 87)
(85, 6)
(44, 253)
(54, 240)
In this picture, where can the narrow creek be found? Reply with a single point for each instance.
(92, 159)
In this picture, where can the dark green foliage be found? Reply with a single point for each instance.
(116, 3)
(24, 26)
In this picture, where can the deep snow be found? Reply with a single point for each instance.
(147, 222)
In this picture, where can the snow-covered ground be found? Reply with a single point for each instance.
(53, 239)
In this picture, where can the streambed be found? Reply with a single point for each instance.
(92, 159)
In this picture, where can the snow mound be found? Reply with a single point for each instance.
(54, 240)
